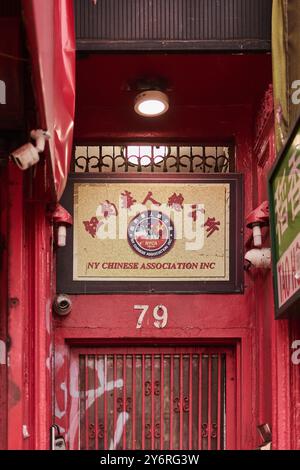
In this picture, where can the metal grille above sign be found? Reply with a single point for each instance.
(177, 233)
(151, 158)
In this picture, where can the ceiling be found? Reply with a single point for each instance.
(195, 82)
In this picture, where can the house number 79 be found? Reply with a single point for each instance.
(159, 313)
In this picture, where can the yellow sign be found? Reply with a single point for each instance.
(151, 231)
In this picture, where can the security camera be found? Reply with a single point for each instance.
(25, 156)
(62, 305)
(28, 155)
(258, 258)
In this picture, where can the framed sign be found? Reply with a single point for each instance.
(284, 198)
(170, 233)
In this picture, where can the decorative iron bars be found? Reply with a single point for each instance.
(150, 400)
(152, 158)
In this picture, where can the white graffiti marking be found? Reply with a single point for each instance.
(91, 395)
(61, 413)
(2, 352)
(121, 421)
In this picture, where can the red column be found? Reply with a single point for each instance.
(17, 314)
(29, 312)
(40, 272)
(3, 307)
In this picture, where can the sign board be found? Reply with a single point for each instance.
(284, 196)
(156, 234)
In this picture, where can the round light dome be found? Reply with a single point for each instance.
(151, 103)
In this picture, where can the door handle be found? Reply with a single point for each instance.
(57, 441)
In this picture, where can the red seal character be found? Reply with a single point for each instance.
(127, 200)
(195, 210)
(211, 225)
(151, 199)
(176, 201)
(107, 209)
(92, 225)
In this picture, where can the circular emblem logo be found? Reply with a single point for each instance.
(151, 234)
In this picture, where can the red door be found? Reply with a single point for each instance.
(149, 397)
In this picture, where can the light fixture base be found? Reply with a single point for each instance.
(151, 103)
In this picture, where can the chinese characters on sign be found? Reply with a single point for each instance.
(151, 231)
(287, 193)
(108, 209)
(285, 221)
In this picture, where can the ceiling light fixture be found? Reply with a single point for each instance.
(151, 103)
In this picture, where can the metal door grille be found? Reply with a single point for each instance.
(166, 400)
(153, 158)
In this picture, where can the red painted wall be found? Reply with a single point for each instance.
(213, 99)
(29, 310)
(268, 381)
(278, 397)
(295, 384)
(3, 306)
(262, 287)
(192, 318)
